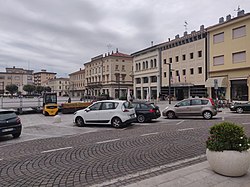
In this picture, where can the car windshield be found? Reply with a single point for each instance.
(7, 115)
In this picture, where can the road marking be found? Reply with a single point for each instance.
(1, 159)
(141, 173)
(52, 150)
(153, 133)
(223, 118)
(180, 122)
(185, 129)
(245, 123)
(107, 141)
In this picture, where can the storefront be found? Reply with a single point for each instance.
(239, 90)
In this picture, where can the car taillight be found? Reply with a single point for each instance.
(152, 111)
(212, 101)
(18, 120)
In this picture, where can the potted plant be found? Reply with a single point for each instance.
(228, 149)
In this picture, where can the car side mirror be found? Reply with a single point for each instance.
(87, 109)
(176, 105)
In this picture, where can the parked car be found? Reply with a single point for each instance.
(192, 107)
(146, 111)
(10, 123)
(113, 112)
(240, 107)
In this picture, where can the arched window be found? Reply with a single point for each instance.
(155, 64)
(143, 65)
(146, 64)
(151, 63)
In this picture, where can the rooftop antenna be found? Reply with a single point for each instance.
(238, 9)
(109, 47)
(185, 25)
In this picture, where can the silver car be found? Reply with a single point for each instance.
(192, 107)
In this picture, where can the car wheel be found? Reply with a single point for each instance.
(16, 135)
(141, 118)
(170, 115)
(239, 110)
(116, 122)
(79, 121)
(207, 115)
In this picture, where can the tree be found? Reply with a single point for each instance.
(29, 88)
(40, 89)
(12, 88)
(47, 89)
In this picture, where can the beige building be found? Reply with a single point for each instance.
(43, 76)
(186, 56)
(229, 58)
(147, 77)
(17, 76)
(109, 74)
(61, 86)
(77, 80)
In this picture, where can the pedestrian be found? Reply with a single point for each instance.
(69, 100)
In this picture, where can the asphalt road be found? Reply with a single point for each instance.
(61, 154)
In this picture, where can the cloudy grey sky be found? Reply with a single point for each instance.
(61, 35)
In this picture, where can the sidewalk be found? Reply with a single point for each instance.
(198, 175)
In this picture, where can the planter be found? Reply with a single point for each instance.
(229, 163)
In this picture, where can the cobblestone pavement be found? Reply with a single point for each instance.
(95, 156)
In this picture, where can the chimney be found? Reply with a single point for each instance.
(185, 33)
(221, 20)
(116, 50)
(193, 32)
(202, 28)
(112, 52)
(228, 17)
(169, 39)
(241, 13)
(177, 36)
(152, 43)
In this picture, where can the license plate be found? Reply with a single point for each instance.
(7, 130)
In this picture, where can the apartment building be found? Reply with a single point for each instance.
(61, 86)
(77, 80)
(229, 58)
(17, 76)
(42, 76)
(184, 60)
(147, 73)
(109, 74)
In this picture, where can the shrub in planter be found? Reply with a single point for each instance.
(227, 149)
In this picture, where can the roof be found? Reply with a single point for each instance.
(118, 54)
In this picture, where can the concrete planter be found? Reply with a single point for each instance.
(229, 163)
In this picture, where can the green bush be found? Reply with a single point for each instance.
(227, 136)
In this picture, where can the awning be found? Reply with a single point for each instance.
(183, 84)
(221, 81)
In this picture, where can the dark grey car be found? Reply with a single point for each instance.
(192, 107)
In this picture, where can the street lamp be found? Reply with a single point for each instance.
(169, 82)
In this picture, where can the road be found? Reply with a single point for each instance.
(61, 154)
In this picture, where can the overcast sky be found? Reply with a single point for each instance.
(62, 35)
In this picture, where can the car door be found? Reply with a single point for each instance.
(196, 107)
(182, 108)
(106, 111)
(91, 114)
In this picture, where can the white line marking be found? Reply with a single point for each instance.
(107, 141)
(155, 169)
(153, 133)
(180, 122)
(185, 129)
(223, 118)
(1, 159)
(245, 123)
(52, 150)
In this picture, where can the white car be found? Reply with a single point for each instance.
(113, 112)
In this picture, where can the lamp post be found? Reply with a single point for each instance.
(169, 82)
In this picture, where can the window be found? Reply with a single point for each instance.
(177, 73)
(2, 77)
(116, 67)
(184, 103)
(165, 74)
(199, 54)
(183, 57)
(145, 79)
(191, 71)
(107, 67)
(191, 55)
(138, 80)
(218, 38)
(170, 60)
(155, 64)
(183, 72)
(123, 68)
(177, 59)
(218, 60)
(239, 32)
(153, 79)
(146, 64)
(108, 106)
(239, 57)
(95, 106)
(200, 70)
(165, 61)
(143, 65)
(196, 102)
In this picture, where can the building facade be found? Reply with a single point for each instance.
(61, 86)
(184, 60)
(43, 76)
(17, 76)
(147, 73)
(109, 74)
(229, 58)
(77, 83)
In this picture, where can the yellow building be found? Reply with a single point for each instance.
(42, 76)
(229, 58)
(76, 80)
